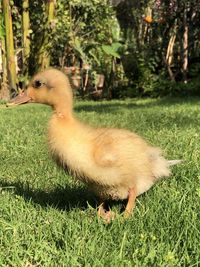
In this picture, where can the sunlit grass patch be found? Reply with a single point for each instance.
(49, 219)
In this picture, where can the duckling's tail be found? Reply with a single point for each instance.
(174, 162)
(159, 165)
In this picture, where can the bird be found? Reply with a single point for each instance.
(115, 164)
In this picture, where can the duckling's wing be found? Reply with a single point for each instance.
(113, 147)
(105, 154)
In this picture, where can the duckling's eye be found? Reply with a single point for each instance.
(37, 84)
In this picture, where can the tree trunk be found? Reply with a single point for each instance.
(10, 54)
(26, 38)
(185, 45)
(170, 48)
(169, 54)
(44, 56)
(4, 89)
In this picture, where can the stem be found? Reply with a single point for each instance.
(10, 54)
(185, 46)
(44, 56)
(26, 36)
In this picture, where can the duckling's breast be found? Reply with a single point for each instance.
(66, 145)
(71, 144)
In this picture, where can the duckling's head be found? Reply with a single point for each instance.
(50, 87)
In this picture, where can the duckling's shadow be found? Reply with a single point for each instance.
(62, 198)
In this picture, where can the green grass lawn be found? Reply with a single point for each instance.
(49, 219)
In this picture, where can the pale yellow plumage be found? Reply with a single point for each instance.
(114, 163)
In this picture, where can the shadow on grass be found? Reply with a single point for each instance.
(63, 198)
(113, 106)
(169, 118)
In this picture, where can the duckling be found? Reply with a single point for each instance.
(114, 163)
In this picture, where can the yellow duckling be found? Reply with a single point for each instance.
(115, 163)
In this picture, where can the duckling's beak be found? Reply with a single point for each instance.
(22, 98)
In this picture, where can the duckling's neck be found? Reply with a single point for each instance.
(64, 110)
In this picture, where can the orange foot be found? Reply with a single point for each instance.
(107, 216)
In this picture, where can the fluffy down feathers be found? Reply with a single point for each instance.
(114, 163)
(109, 160)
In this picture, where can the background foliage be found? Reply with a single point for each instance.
(141, 48)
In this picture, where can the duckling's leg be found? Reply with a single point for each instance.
(131, 203)
(107, 216)
(101, 209)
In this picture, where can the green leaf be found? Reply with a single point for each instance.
(116, 46)
(94, 57)
(110, 50)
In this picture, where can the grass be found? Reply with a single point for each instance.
(48, 219)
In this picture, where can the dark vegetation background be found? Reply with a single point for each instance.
(111, 49)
